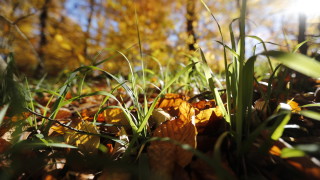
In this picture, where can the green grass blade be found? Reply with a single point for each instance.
(145, 120)
(3, 112)
(233, 52)
(248, 75)
(297, 62)
(311, 114)
(57, 145)
(291, 153)
(264, 47)
(295, 49)
(210, 81)
(109, 58)
(279, 130)
(312, 105)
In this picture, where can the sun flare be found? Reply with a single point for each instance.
(308, 7)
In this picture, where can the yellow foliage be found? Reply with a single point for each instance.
(81, 58)
(58, 37)
(86, 143)
(66, 46)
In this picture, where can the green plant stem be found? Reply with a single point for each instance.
(240, 121)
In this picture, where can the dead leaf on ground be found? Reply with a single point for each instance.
(119, 149)
(170, 102)
(204, 104)
(304, 164)
(158, 117)
(63, 113)
(86, 143)
(163, 156)
(294, 106)
(116, 117)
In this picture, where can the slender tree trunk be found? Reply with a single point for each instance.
(190, 17)
(302, 32)
(87, 33)
(302, 82)
(43, 39)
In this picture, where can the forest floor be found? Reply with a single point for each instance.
(96, 136)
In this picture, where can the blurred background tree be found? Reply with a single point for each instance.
(52, 36)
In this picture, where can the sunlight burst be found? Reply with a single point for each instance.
(308, 7)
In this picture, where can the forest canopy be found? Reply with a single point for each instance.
(51, 36)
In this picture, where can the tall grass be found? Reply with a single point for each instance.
(239, 76)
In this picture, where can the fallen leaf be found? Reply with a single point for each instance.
(304, 164)
(163, 156)
(186, 113)
(86, 143)
(158, 117)
(116, 117)
(63, 113)
(275, 150)
(171, 101)
(119, 149)
(204, 104)
(294, 106)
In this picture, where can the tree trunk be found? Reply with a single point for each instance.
(302, 82)
(190, 17)
(39, 72)
(302, 32)
(87, 34)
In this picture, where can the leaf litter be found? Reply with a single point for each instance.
(175, 122)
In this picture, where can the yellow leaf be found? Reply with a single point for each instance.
(81, 58)
(58, 37)
(116, 117)
(86, 143)
(66, 46)
(294, 106)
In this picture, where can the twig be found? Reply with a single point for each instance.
(74, 129)
(60, 123)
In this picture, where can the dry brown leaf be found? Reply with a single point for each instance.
(57, 128)
(119, 149)
(158, 117)
(163, 156)
(177, 106)
(311, 170)
(186, 112)
(304, 164)
(116, 117)
(204, 104)
(63, 113)
(207, 118)
(171, 101)
(86, 143)
(204, 115)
